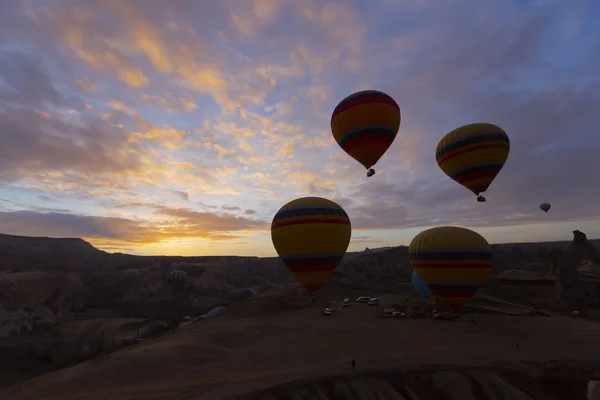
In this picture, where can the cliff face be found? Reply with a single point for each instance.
(571, 291)
(391, 264)
(44, 282)
(20, 253)
(540, 382)
(84, 276)
(28, 299)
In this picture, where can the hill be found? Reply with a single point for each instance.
(258, 345)
(20, 253)
(62, 302)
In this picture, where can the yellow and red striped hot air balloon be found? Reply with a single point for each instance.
(311, 235)
(473, 155)
(453, 262)
(365, 124)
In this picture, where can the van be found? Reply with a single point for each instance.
(386, 312)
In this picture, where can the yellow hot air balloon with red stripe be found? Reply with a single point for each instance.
(453, 262)
(365, 124)
(311, 236)
(473, 155)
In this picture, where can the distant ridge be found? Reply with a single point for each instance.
(30, 253)
(43, 253)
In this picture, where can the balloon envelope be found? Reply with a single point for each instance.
(453, 262)
(420, 286)
(311, 236)
(365, 124)
(545, 207)
(473, 155)
(177, 278)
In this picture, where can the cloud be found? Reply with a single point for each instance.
(183, 195)
(86, 85)
(33, 142)
(24, 83)
(119, 111)
(497, 84)
(173, 223)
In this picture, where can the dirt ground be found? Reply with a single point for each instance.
(252, 348)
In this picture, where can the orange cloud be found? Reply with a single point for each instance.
(171, 224)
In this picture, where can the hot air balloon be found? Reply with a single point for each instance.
(453, 262)
(473, 155)
(420, 286)
(311, 235)
(177, 279)
(545, 207)
(365, 124)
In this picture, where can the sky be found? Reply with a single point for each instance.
(180, 127)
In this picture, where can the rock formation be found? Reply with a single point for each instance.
(45, 281)
(514, 382)
(572, 292)
(28, 299)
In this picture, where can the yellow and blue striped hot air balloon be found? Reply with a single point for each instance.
(365, 124)
(473, 155)
(454, 263)
(311, 235)
(177, 278)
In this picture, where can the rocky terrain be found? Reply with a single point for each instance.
(62, 301)
(518, 381)
(278, 346)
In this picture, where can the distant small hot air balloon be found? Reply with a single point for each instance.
(177, 280)
(420, 286)
(545, 207)
(311, 236)
(453, 262)
(177, 277)
(365, 124)
(473, 155)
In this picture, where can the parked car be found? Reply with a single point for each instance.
(386, 312)
(373, 301)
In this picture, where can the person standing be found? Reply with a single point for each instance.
(353, 364)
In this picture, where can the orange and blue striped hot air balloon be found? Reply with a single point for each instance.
(365, 124)
(311, 235)
(473, 155)
(453, 262)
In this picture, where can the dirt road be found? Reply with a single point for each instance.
(235, 354)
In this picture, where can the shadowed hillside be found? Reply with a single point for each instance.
(62, 301)
(20, 253)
